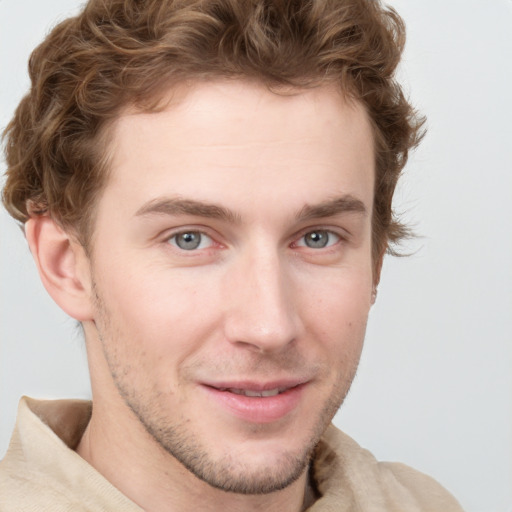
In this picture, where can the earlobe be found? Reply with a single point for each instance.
(62, 265)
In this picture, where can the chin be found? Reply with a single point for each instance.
(265, 475)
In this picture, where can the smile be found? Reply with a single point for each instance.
(252, 393)
(257, 403)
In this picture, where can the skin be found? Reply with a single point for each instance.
(261, 180)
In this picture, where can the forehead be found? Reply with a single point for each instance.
(217, 137)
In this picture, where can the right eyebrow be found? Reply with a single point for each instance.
(178, 206)
(344, 204)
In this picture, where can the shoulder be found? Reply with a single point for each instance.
(425, 491)
(42, 472)
(27, 479)
(349, 477)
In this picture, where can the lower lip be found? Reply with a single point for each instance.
(258, 409)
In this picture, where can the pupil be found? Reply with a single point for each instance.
(188, 241)
(316, 239)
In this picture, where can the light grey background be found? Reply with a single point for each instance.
(434, 387)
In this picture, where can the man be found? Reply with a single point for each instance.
(206, 187)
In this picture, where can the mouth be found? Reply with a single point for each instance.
(257, 402)
(255, 394)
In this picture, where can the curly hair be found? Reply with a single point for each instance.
(119, 53)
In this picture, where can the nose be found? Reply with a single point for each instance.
(262, 313)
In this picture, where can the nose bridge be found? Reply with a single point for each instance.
(262, 312)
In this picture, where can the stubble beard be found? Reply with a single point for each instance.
(228, 473)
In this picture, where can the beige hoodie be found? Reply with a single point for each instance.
(42, 472)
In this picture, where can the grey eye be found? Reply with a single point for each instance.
(188, 241)
(319, 239)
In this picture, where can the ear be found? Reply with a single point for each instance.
(63, 266)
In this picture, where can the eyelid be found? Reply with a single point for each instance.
(168, 235)
(340, 233)
(203, 239)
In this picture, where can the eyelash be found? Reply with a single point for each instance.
(321, 231)
(172, 240)
(300, 242)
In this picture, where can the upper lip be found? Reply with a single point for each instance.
(257, 386)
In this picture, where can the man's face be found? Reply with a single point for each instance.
(232, 276)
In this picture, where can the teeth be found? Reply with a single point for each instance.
(270, 392)
(249, 392)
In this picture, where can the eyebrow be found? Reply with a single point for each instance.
(179, 206)
(330, 208)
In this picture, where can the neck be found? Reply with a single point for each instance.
(153, 479)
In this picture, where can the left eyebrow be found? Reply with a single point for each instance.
(344, 204)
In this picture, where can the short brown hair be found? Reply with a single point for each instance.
(118, 53)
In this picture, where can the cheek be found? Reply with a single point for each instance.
(156, 310)
(339, 299)
(337, 313)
